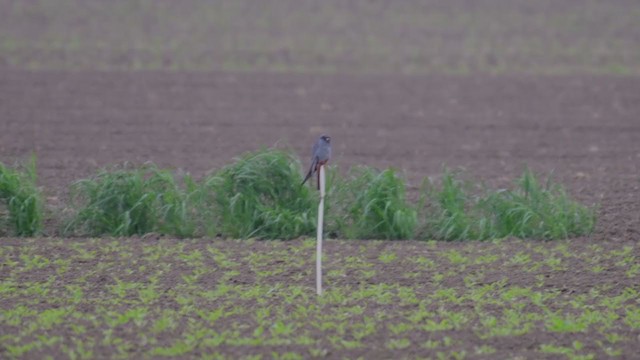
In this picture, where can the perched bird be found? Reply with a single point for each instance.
(321, 155)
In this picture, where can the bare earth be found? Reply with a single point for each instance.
(586, 130)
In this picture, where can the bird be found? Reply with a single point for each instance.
(321, 154)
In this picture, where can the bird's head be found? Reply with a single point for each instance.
(326, 138)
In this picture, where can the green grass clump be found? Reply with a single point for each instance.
(131, 201)
(528, 211)
(180, 207)
(371, 204)
(21, 210)
(536, 211)
(260, 196)
(452, 213)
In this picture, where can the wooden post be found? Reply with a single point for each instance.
(319, 234)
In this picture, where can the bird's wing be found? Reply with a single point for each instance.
(315, 149)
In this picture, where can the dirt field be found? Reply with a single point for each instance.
(504, 84)
(584, 129)
(358, 36)
(149, 298)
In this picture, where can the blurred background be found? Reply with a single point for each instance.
(361, 36)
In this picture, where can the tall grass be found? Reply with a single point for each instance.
(131, 201)
(460, 212)
(452, 213)
(21, 209)
(371, 204)
(260, 196)
(532, 210)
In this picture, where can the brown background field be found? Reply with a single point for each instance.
(494, 87)
(406, 84)
(584, 129)
(407, 36)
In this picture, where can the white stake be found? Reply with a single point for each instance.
(319, 236)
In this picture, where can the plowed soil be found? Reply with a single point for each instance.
(586, 130)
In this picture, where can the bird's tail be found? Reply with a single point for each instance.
(310, 172)
(306, 178)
